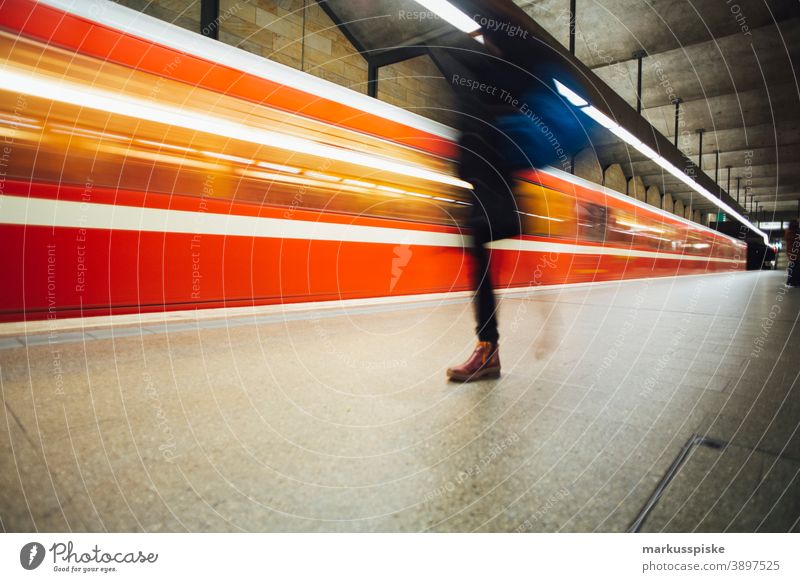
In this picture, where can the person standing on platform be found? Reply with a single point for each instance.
(792, 246)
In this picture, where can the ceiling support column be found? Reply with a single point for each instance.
(572, 9)
(209, 18)
(639, 55)
(700, 150)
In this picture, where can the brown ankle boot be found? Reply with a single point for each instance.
(484, 362)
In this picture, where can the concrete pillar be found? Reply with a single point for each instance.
(588, 167)
(687, 212)
(654, 196)
(698, 217)
(614, 179)
(667, 203)
(678, 208)
(636, 189)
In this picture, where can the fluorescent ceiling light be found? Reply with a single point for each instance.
(646, 150)
(624, 135)
(663, 163)
(633, 141)
(571, 95)
(599, 117)
(451, 14)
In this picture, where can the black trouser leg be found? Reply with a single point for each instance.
(485, 308)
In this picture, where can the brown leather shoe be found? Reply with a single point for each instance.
(483, 363)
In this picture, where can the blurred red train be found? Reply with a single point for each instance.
(146, 168)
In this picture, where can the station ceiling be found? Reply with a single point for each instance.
(733, 64)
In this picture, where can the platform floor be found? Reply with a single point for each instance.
(343, 421)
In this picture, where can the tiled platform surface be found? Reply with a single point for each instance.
(346, 423)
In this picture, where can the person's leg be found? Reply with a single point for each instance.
(493, 217)
(485, 306)
(485, 359)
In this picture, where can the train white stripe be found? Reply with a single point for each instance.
(67, 214)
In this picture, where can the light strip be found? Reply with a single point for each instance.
(390, 189)
(92, 98)
(361, 183)
(161, 145)
(451, 14)
(540, 216)
(571, 95)
(19, 124)
(322, 176)
(279, 167)
(598, 116)
(229, 158)
(87, 133)
(631, 140)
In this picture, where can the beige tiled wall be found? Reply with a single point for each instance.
(183, 13)
(417, 85)
(274, 29)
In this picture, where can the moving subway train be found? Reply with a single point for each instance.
(146, 168)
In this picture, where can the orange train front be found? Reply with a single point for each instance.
(146, 168)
